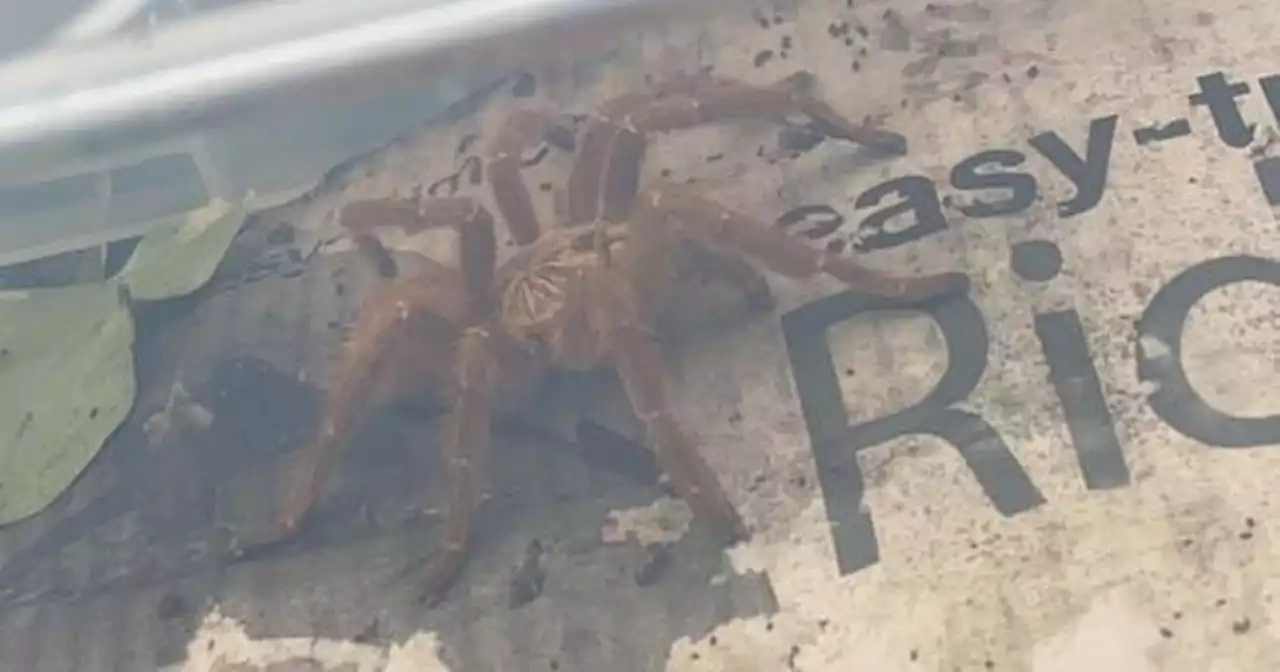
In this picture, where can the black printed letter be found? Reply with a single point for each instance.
(836, 444)
(1088, 175)
(1220, 98)
(1160, 330)
(1022, 186)
(918, 196)
(1271, 89)
(1075, 379)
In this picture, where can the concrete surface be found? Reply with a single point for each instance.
(1071, 469)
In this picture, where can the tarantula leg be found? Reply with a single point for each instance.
(836, 125)
(739, 274)
(719, 227)
(725, 99)
(615, 310)
(463, 451)
(522, 129)
(610, 172)
(606, 174)
(362, 218)
(363, 381)
(477, 245)
(636, 356)
(587, 177)
(401, 340)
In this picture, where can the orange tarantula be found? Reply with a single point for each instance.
(578, 295)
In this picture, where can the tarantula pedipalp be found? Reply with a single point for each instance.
(576, 296)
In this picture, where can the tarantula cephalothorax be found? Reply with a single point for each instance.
(578, 295)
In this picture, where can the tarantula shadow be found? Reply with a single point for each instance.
(582, 294)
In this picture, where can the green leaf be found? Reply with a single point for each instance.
(66, 383)
(178, 260)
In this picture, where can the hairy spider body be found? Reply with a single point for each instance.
(583, 294)
(547, 300)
